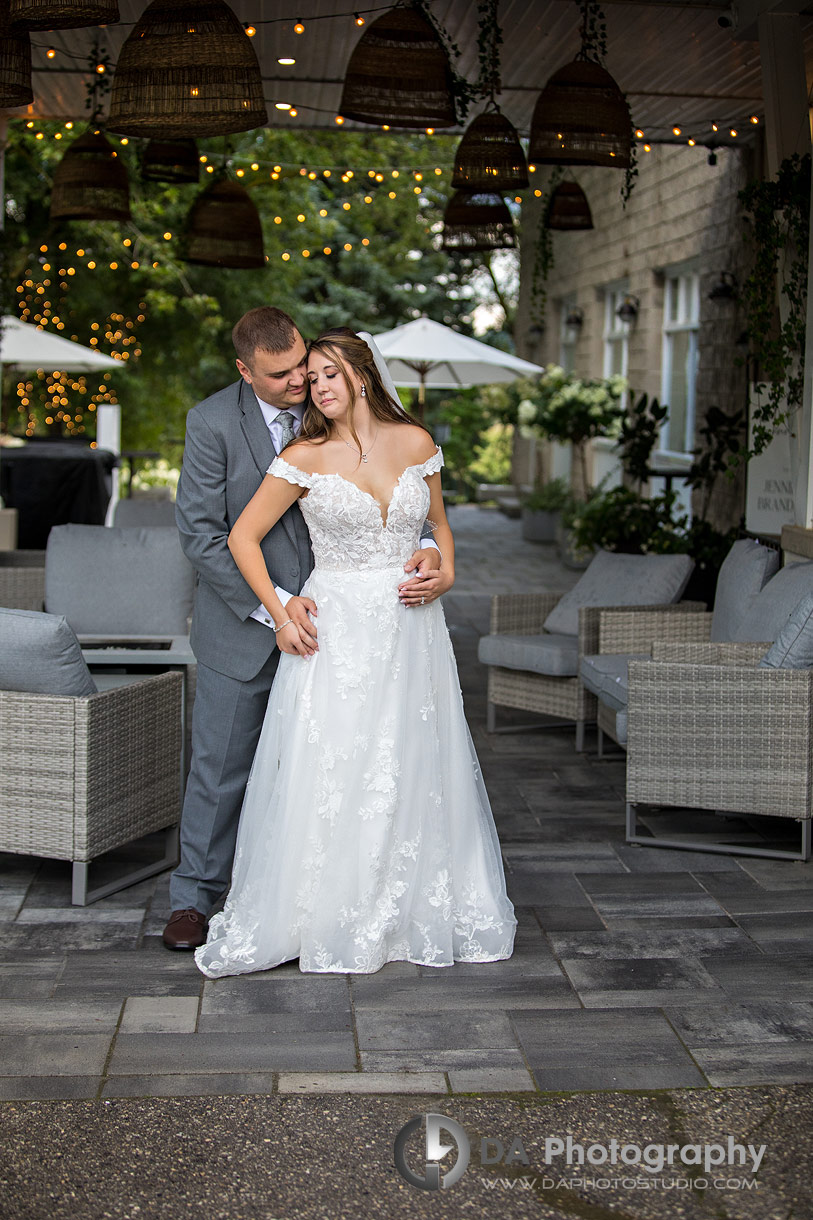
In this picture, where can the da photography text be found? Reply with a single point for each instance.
(427, 1168)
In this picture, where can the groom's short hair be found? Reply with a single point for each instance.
(266, 328)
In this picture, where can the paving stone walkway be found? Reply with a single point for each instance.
(635, 969)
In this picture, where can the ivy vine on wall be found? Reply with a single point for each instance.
(778, 214)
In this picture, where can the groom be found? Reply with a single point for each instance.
(231, 440)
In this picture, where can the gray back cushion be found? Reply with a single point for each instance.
(41, 655)
(793, 647)
(142, 512)
(745, 571)
(119, 581)
(622, 580)
(771, 608)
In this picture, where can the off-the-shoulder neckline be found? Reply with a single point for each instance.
(334, 475)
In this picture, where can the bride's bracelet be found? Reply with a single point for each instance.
(287, 623)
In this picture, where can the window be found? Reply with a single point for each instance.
(681, 320)
(616, 332)
(568, 334)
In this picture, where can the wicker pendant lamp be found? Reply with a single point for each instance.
(187, 69)
(171, 161)
(63, 14)
(581, 118)
(490, 156)
(399, 74)
(477, 222)
(223, 228)
(15, 66)
(90, 182)
(569, 209)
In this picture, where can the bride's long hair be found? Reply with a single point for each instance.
(344, 347)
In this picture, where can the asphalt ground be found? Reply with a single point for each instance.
(331, 1157)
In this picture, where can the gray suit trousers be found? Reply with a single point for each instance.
(226, 723)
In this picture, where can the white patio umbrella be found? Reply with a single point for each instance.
(425, 353)
(23, 346)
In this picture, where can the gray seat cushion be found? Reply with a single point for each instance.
(136, 512)
(555, 655)
(119, 581)
(40, 654)
(793, 647)
(772, 608)
(622, 580)
(607, 676)
(745, 571)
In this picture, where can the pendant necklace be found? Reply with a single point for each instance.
(364, 456)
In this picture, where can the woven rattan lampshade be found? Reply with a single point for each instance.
(171, 161)
(490, 156)
(15, 66)
(187, 69)
(223, 228)
(477, 222)
(90, 182)
(399, 74)
(63, 14)
(581, 117)
(569, 208)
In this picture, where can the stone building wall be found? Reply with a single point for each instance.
(682, 209)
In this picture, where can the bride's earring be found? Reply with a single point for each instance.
(363, 392)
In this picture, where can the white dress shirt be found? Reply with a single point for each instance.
(270, 415)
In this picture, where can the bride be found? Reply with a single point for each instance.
(366, 834)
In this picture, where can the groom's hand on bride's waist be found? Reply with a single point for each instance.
(424, 581)
(297, 609)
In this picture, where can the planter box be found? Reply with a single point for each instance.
(577, 561)
(539, 525)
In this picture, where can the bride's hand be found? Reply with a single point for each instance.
(421, 591)
(301, 634)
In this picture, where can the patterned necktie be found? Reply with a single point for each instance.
(287, 420)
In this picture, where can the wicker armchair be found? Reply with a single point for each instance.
(83, 775)
(708, 729)
(563, 697)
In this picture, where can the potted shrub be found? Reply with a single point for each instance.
(542, 511)
(572, 410)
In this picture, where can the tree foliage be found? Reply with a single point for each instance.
(373, 200)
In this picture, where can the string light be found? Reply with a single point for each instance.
(50, 53)
(754, 119)
(676, 131)
(299, 28)
(358, 18)
(286, 61)
(251, 30)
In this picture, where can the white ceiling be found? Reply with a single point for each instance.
(672, 59)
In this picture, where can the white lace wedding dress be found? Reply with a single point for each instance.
(366, 834)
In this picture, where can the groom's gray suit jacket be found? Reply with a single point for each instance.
(228, 450)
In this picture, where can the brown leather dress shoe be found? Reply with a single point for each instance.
(185, 929)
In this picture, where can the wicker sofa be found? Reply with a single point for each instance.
(748, 568)
(536, 642)
(83, 771)
(22, 579)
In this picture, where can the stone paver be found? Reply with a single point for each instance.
(633, 968)
(363, 1082)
